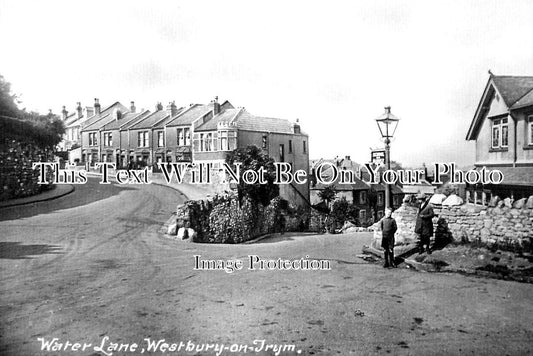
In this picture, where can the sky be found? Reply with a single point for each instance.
(333, 65)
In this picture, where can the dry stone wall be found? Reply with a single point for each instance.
(225, 219)
(17, 177)
(506, 226)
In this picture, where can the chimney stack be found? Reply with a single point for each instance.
(79, 110)
(64, 113)
(296, 127)
(117, 114)
(96, 106)
(172, 109)
(132, 107)
(158, 106)
(216, 106)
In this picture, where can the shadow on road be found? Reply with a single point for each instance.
(83, 194)
(17, 251)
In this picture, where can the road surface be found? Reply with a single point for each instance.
(91, 267)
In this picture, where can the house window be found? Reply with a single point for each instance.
(380, 214)
(380, 198)
(305, 146)
(282, 153)
(92, 139)
(187, 135)
(530, 129)
(362, 216)
(265, 142)
(108, 139)
(500, 133)
(223, 136)
(395, 200)
(160, 139)
(362, 197)
(181, 137)
(290, 146)
(208, 142)
(142, 139)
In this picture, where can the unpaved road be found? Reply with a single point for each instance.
(92, 264)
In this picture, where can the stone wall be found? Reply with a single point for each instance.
(225, 219)
(17, 177)
(508, 227)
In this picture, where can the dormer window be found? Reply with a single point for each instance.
(500, 133)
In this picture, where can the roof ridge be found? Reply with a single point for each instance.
(183, 112)
(512, 76)
(239, 111)
(135, 115)
(520, 98)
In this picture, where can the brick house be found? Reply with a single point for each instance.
(230, 128)
(502, 128)
(114, 138)
(90, 131)
(198, 133)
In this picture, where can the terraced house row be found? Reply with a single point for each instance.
(196, 133)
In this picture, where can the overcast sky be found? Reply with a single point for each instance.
(332, 64)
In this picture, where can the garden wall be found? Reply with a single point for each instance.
(225, 219)
(17, 177)
(508, 227)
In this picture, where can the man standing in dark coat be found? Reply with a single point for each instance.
(424, 223)
(388, 229)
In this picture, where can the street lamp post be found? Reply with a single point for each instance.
(387, 124)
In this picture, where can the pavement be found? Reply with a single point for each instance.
(57, 191)
(92, 265)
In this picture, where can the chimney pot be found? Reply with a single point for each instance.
(132, 107)
(64, 112)
(96, 106)
(172, 109)
(216, 106)
(79, 110)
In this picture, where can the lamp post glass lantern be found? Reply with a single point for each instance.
(387, 124)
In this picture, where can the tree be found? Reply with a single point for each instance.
(328, 194)
(253, 158)
(8, 101)
(44, 130)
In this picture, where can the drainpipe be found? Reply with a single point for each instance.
(515, 144)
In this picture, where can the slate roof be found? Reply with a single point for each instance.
(512, 88)
(526, 100)
(357, 185)
(188, 115)
(516, 175)
(130, 117)
(247, 121)
(96, 124)
(150, 120)
(161, 124)
(136, 120)
(516, 92)
(106, 111)
(225, 116)
(381, 188)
